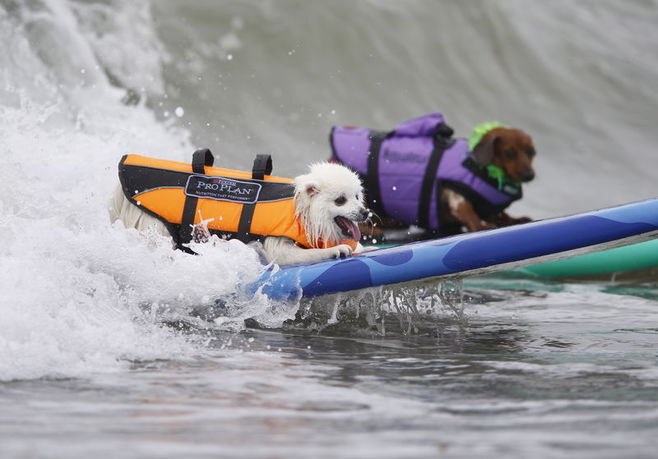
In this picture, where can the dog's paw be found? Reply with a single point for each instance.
(340, 251)
(522, 220)
(200, 233)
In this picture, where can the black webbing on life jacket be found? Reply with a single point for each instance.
(372, 178)
(441, 143)
(262, 167)
(200, 159)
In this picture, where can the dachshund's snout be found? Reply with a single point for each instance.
(528, 175)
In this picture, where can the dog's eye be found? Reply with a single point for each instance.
(340, 201)
(510, 154)
(530, 152)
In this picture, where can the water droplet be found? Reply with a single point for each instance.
(179, 111)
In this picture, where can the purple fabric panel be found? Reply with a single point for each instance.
(451, 168)
(423, 126)
(402, 163)
(351, 146)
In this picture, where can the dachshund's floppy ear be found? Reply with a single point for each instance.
(484, 150)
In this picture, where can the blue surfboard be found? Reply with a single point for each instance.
(467, 254)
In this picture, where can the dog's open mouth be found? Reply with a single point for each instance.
(349, 228)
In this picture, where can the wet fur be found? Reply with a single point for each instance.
(315, 205)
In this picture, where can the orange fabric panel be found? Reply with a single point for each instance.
(226, 214)
(166, 202)
(277, 219)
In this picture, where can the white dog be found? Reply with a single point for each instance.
(328, 202)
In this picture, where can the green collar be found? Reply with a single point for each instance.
(498, 174)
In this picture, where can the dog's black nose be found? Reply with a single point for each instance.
(528, 176)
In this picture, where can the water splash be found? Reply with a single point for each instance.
(406, 309)
(81, 295)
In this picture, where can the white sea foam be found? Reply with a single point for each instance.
(78, 294)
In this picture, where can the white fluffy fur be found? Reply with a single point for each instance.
(315, 205)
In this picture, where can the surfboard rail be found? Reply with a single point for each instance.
(468, 254)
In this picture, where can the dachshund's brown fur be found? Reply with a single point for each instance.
(510, 149)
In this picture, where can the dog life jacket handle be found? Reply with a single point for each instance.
(262, 167)
(200, 159)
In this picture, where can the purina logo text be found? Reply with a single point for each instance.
(222, 189)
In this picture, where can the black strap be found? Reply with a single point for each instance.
(372, 178)
(262, 167)
(244, 226)
(200, 159)
(425, 198)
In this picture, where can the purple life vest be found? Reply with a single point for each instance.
(405, 169)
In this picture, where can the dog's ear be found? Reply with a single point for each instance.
(484, 150)
(311, 189)
(306, 185)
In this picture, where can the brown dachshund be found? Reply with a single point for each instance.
(511, 150)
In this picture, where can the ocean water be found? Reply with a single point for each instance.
(105, 348)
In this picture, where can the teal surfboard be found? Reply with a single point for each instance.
(643, 255)
(633, 257)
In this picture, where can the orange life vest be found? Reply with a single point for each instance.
(243, 205)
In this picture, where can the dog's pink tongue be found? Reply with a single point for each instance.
(354, 231)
